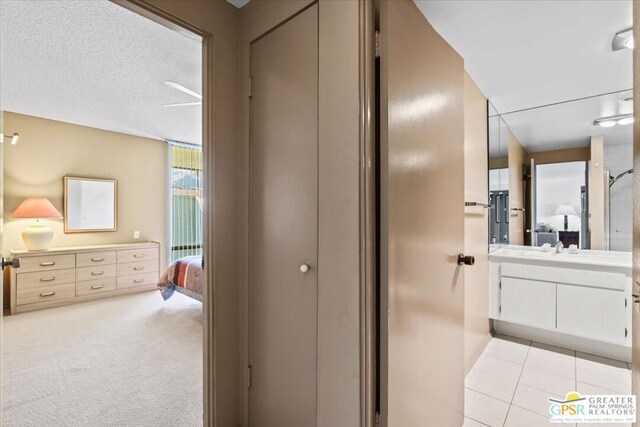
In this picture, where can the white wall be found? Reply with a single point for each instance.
(559, 183)
(619, 158)
(499, 179)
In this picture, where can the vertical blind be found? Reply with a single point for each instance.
(186, 200)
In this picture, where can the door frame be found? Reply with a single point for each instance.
(162, 17)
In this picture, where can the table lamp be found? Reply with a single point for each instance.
(566, 209)
(37, 237)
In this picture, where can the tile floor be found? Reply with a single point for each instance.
(510, 383)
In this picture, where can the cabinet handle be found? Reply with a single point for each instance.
(138, 280)
(47, 264)
(97, 273)
(97, 259)
(138, 255)
(48, 279)
(138, 268)
(47, 294)
(97, 287)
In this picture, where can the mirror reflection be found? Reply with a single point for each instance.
(561, 175)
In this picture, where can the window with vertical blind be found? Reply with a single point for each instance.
(186, 200)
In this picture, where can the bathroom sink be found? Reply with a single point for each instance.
(539, 254)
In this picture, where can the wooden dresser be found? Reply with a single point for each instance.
(64, 276)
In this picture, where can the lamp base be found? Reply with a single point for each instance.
(37, 237)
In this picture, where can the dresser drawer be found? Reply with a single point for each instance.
(47, 262)
(95, 286)
(97, 272)
(45, 293)
(39, 279)
(90, 259)
(133, 255)
(137, 268)
(137, 280)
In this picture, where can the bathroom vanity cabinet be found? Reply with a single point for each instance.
(578, 301)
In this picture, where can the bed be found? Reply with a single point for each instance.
(184, 276)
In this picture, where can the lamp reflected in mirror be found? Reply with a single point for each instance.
(566, 209)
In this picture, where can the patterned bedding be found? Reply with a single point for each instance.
(184, 276)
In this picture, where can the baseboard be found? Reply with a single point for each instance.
(612, 351)
(477, 353)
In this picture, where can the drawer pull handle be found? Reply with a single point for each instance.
(138, 268)
(47, 264)
(138, 280)
(138, 255)
(97, 273)
(97, 287)
(48, 294)
(48, 279)
(97, 259)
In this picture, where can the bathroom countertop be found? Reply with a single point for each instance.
(607, 259)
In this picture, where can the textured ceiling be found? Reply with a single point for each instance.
(97, 64)
(525, 54)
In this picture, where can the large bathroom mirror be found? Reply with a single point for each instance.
(561, 174)
(90, 205)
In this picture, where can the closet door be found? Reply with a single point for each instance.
(422, 129)
(283, 227)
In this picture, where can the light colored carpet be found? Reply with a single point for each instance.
(133, 361)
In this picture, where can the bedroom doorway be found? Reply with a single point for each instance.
(115, 349)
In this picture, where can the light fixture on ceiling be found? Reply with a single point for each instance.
(185, 90)
(607, 122)
(623, 39)
(14, 138)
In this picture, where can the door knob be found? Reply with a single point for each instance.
(13, 263)
(466, 260)
(305, 267)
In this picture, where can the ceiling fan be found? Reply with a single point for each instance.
(185, 90)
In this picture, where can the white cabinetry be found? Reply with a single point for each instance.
(581, 306)
(592, 313)
(528, 302)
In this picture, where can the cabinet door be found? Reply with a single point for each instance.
(528, 302)
(592, 313)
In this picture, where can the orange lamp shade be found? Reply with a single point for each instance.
(36, 207)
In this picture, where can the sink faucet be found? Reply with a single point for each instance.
(559, 247)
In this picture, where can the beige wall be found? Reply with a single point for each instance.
(49, 150)
(561, 156)
(518, 158)
(476, 226)
(596, 193)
